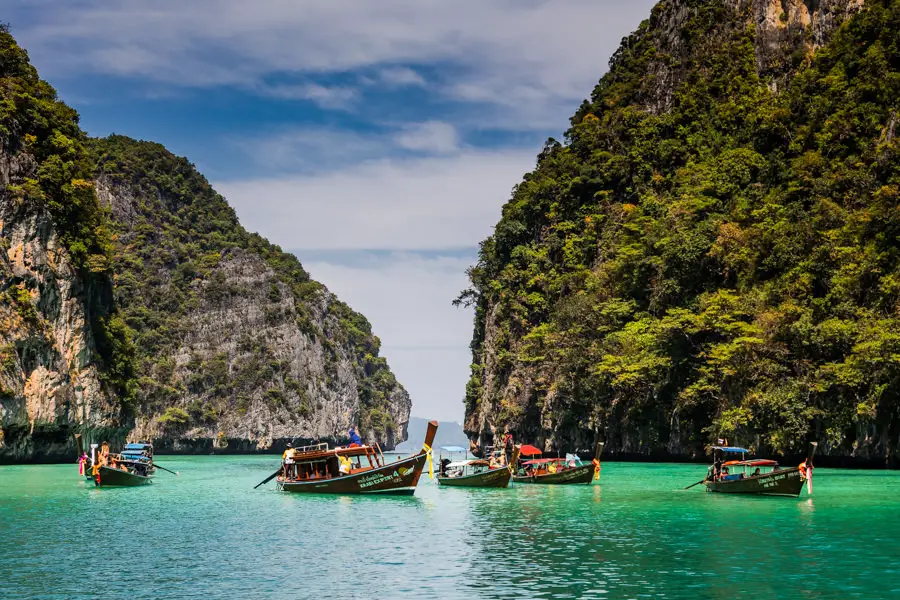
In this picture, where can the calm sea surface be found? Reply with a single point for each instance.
(636, 534)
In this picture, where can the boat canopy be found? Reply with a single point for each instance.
(529, 450)
(467, 463)
(137, 447)
(734, 449)
(453, 448)
(134, 456)
(758, 462)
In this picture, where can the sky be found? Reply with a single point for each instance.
(377, 140)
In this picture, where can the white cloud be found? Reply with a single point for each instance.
(320, 148)
(430, 136)
(437, 203)
(331, 97)
(498, 51)
(401, 76)
(407, 298)
(307, 148)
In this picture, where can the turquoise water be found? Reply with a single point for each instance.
(208, 534)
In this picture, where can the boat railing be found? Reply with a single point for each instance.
(313, 447)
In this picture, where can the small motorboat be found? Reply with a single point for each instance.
(354, 469)
(757, 476)
(558, 471)
(131, 467)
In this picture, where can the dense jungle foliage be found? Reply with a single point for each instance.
(53, 176)
(725, 267)
(169, 243)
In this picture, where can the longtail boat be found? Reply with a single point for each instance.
(756, 476)
(133, 466)
(559, 471)
(356, 469)
(476, 473)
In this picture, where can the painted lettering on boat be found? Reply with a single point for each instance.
(376, 478)
(774, 479)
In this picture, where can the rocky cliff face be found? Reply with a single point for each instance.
(55, 288)
(680, 268)
(237, 348)
(134, 305)
(49, 373)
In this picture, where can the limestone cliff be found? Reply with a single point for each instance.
(709, 253)
(134, 305)
(237, 347)
(58, 374)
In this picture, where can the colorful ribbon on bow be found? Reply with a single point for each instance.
(427, 450)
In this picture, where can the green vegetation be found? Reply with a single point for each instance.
(727, 266)
(55, 179)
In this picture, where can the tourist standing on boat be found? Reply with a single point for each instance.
(508, 443)
(104, 454)
(355, 440)
(288, 461)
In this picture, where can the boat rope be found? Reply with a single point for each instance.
(428, 454)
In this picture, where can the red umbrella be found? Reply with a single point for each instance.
(529, 450)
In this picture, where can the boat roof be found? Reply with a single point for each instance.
(735, 449)
(326, 452)
(453, 448)
(757, 462)
(529, 450)
(465, 463)
(138, 447)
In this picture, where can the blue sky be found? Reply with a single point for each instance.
(376, 139)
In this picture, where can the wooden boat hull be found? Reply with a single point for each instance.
(581, 474)
(784, 482)
(495, 478)
(398, 478)
(116, 477)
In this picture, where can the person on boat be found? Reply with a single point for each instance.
(104, 454)
(475, 449)
(345, 466)
(756, 472)
(355, 440)
(287, 458)
(724, 475)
